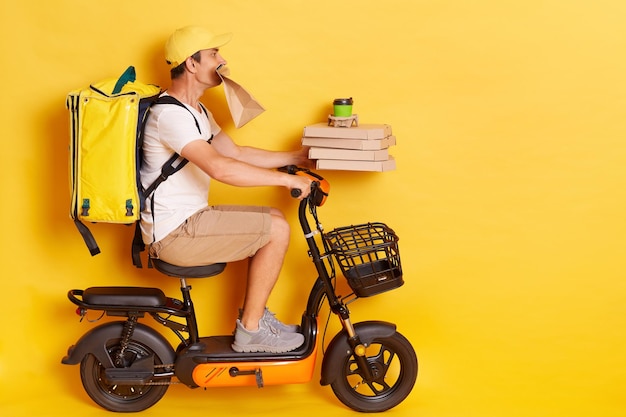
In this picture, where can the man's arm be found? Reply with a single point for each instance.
(236, 172)
(260, 157)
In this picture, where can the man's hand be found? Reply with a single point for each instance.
(302, 158)
(298, 182)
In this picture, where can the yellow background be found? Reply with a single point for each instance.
(509, 197)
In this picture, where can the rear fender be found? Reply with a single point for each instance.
(95, 342)
(339, 347)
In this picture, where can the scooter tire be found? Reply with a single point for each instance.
(117, 397)
(394, 362)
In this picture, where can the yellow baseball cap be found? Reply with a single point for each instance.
(186, 41)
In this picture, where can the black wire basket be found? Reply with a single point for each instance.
(368, 256)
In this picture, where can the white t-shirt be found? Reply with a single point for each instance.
(168, 129)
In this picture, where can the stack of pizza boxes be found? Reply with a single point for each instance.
(364, 147)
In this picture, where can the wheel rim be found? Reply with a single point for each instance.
(386, 368)
(122, 398)
(122, 392)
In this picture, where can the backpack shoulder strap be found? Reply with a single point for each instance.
(175, 101)
(90, 241)
(167, 169)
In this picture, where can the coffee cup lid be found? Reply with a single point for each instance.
(344, 101)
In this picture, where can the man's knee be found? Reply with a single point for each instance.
(280, 227)
(276, 212)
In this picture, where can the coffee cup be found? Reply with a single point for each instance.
(342, 107)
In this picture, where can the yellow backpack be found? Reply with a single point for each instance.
(106, 135)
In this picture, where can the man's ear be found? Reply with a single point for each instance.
(190, 65)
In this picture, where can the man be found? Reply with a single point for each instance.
(184, 230)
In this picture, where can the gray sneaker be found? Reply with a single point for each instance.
(271, 319)
(268, 338)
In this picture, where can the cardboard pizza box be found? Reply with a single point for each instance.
(363, 131)
(348, 154)
(343, 165)
(357, 144)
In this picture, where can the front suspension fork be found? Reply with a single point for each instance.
(358, 349)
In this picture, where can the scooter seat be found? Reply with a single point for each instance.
(125, 296)
(202, 271)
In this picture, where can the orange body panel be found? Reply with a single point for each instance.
(274, 373)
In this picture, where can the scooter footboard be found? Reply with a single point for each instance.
(95, 342)
(367, 331)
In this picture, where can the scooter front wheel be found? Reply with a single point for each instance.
(121, 397)
(393, 363)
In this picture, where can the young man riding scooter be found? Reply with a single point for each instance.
(178, 224)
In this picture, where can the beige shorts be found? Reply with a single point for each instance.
(216, 234)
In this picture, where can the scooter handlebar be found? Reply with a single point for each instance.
(296, 192)
(319, 186)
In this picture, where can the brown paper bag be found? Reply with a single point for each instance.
(243, 107)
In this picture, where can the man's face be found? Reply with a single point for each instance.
(210, 59)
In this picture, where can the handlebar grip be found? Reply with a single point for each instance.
(295, 192)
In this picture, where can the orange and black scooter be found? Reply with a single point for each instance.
(127, 366)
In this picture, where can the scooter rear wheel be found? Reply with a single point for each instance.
(394, 364)
(118, 397)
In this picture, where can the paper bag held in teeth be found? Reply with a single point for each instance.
(243, 107)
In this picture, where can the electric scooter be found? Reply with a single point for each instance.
(127, 366)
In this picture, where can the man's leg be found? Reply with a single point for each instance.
(226, 234)
(263, 271)
(255, 333)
